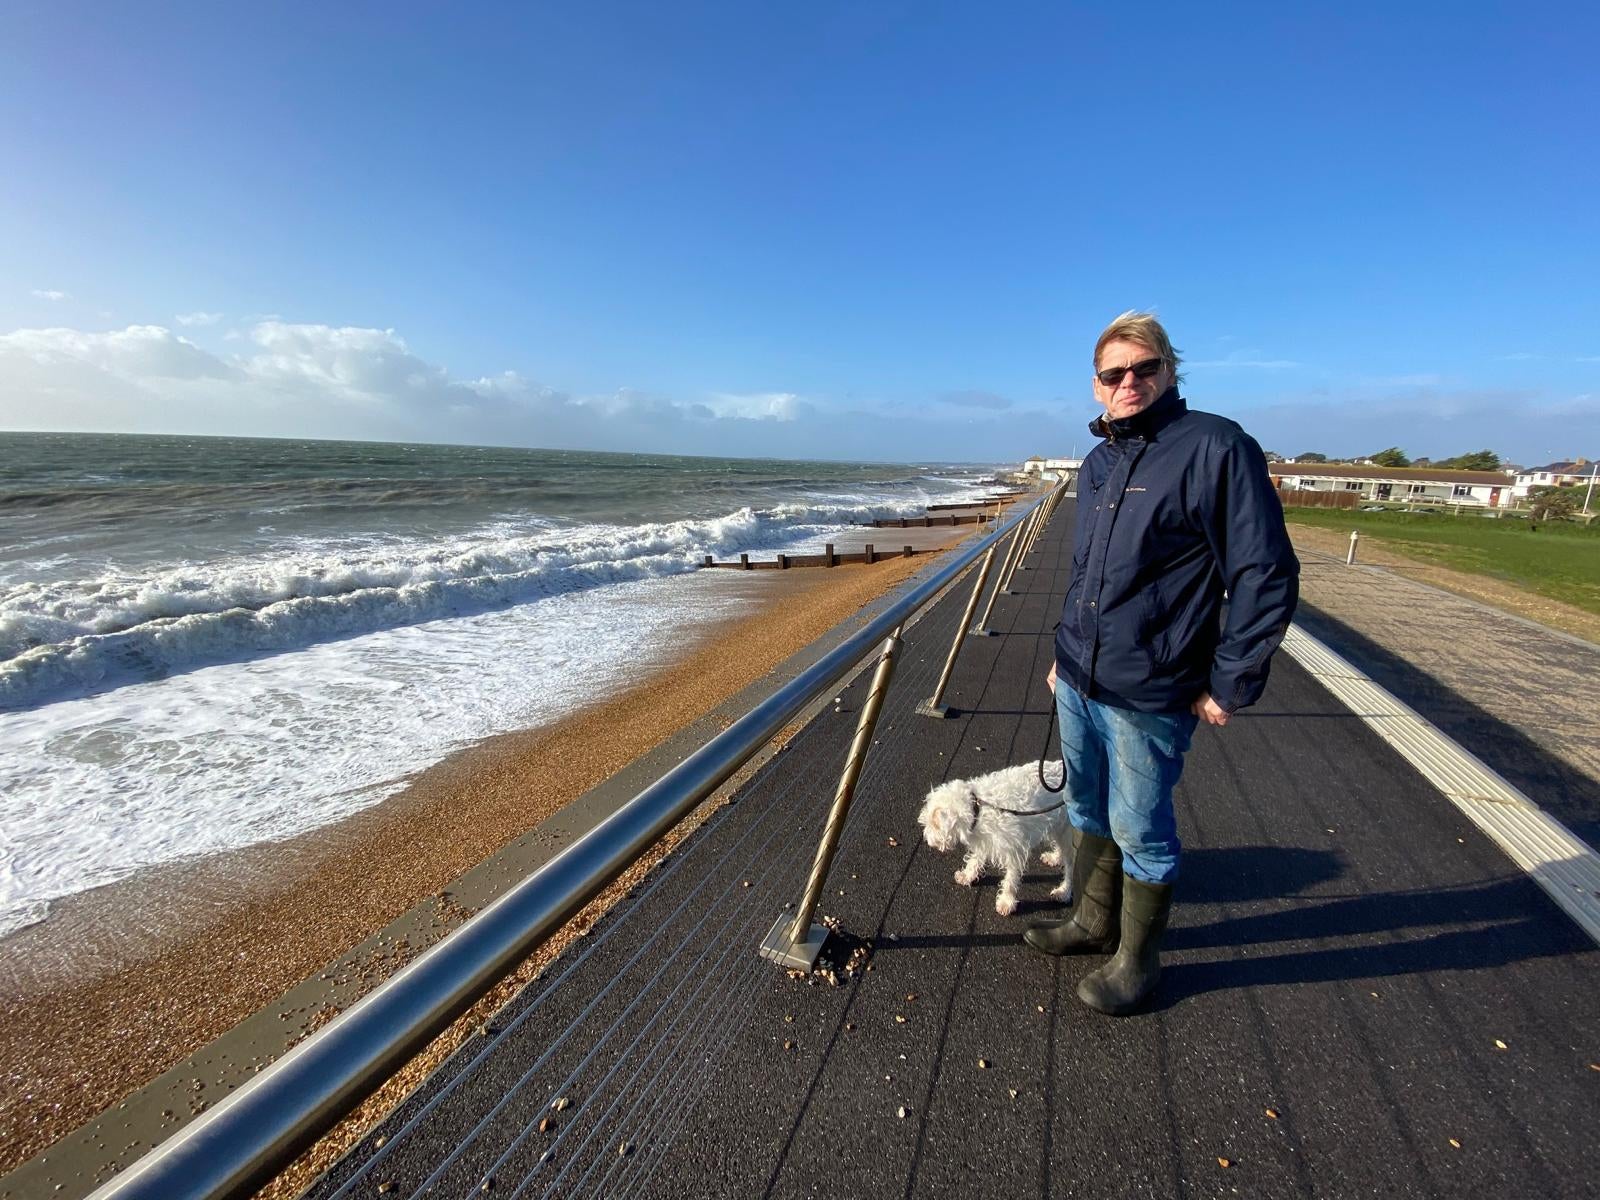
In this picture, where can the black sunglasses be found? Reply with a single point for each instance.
(1143, 369)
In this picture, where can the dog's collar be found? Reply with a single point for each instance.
(978, 804)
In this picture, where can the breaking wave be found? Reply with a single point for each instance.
(71, 637)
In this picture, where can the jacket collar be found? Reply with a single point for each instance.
(1168, 407)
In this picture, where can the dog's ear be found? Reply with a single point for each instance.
(937, 818)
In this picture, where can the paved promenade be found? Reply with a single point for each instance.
(1520, 696)
(1362, 995)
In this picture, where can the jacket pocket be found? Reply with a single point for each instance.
(1156, 625)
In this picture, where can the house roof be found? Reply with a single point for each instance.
(1581, 466)
(1408, 474)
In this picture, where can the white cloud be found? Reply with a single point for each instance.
(1420, 379)
(1247, 359)
(198, 318)
(49, 294)
(760, 406)
(1523, 425)
(137, 353)
(281, 379)
(332, 381)
(972, 398)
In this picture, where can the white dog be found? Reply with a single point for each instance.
(1001, 818)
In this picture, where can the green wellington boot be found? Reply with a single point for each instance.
(1118, 988)
(1091, 928)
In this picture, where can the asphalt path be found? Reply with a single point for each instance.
(1361, 994)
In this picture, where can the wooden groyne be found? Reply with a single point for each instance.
(828, 558)
(976, 512)
(929, 521)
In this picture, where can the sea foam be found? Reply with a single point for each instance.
(183, 709)
(69, 636)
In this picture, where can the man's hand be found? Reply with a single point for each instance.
(1209, 711)
(1050, 679)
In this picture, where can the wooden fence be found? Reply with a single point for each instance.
(1299, 498)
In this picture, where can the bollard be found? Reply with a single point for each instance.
(909, 552)
(828, 550)
(797, 942)
(709, 560)
(783, 562)
(871, 557)
(931, 707)
(744, 562)
(1350, 558)
(982, 629)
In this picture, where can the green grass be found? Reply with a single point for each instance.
(1560, 560)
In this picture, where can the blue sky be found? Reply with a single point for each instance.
(841, 230)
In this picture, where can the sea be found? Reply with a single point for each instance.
(209, 643)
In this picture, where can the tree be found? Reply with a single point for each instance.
(1477, 460)
(1392, 457)
(1552, 503)
(1311, 456)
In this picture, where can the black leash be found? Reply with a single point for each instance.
(1048, 731)
(978, 804)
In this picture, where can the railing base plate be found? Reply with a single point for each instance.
(928, 709)
(778, 947)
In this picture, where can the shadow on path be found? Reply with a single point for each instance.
(1561, 790)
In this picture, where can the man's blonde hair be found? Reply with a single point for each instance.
(1143, 328)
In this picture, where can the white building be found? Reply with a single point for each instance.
(1051, 468)
(1579, 472)
(1415, 485)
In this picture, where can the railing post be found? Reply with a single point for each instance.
(982, 629)
(1038, 528)
(795, 941)
(1016, 563)
(1047, 509)
(931, 707)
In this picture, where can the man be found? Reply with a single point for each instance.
(1175, 512)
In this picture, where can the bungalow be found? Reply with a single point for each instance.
(1415, 485)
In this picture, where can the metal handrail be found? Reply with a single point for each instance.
(245, 1139)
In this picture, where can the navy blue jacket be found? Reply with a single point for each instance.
(1174, 509)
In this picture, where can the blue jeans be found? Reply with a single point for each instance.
(1121, 768)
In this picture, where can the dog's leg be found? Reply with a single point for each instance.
(971, 871)
(1005, 901)
(1063, 858)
